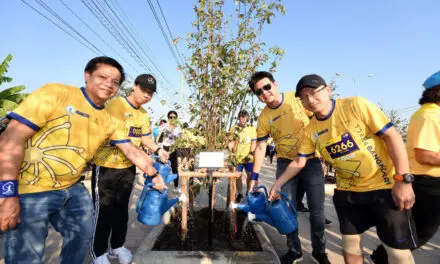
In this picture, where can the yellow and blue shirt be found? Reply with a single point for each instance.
(284, 124)
(424, 133)
(70, 128)
(244, 141)
(348, 139)
(136, 124)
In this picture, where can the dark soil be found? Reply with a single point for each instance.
(197, 236)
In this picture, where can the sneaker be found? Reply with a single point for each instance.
(239, 198)
(328, 222)
(103, 259)
(123, 254)
(291, 257)
(320, 258)
(379, 255)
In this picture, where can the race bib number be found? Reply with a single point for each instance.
(342, 147)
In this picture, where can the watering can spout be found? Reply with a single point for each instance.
(260, 218)
(243, 207)
(170, 203)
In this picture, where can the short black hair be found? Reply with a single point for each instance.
(185, 125)
(431, 95)
(163, 121)
(256, 77)
(172, 112)
(243, 113)
(93, 64)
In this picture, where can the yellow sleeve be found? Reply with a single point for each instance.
(371, 115)
(423, 136)
(263, 129)
(39, 106)
(306, 146)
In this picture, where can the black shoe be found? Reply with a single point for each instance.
(303, 209)
(328, 222)
(239, 198)
(291, 257)
(320, 258)
(379, 255)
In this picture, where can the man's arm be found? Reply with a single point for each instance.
(150, 144)
(427, 157)
(403, 193)
(142, 161)
(294, 167)
(12, 143)
(260, 150)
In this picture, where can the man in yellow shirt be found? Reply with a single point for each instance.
(367, 152)
(284, 119)
(243, 150)
(113, 173)
(54, 132)
(423, 146)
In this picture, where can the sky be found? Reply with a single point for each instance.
(382, 50)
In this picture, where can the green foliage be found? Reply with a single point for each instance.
(400, 123)
(10, 98)
(224, 55)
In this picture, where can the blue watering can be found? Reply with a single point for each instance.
(275, 213)
(153, 205)
(164, 170)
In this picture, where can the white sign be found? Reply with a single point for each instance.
(211, 160)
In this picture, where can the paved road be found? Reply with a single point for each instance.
(137, 232)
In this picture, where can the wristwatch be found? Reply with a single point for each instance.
(154, 175)
(157, 151)
(406, 177)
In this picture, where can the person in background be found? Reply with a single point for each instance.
(423, 146)
(170, 132)
(52, 135)
(242, 149)
(113, 174)
(156, 130)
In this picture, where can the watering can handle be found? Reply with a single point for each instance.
(151, 185)
(264, 188)
(158, 157)
(292, 206)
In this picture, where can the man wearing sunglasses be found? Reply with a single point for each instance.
(373, 184)
(284, 119)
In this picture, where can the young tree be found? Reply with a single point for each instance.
(226, 50)
(10, 97)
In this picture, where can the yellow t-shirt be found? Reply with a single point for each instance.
(348, 139)
(424, 133)
(245, 138)
(136, 123)
(284, 124)
(70, 128)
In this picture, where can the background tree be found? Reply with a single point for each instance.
(226, 50)
(10, 97)
(400, 123)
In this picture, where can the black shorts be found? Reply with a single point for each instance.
(358, 211)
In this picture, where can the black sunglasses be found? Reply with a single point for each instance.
(266, 87)
(172, 117)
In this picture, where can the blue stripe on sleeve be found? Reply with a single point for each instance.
(24, 121)
(147, 134)
(115, 142)
(384, 129)
(263, 138)
(305, 155)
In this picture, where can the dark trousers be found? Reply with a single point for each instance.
(111, 190)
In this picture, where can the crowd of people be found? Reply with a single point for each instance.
(59, 129)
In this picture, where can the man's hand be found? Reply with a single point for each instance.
(9, 213)
(253, 185)
(274, 192)
(164, 155)
(158, 182)
(403, 195)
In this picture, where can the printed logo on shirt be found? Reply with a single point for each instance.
(70, 110)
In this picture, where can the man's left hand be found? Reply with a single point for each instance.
(158, 182)
(164, 155)
(403, 195)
